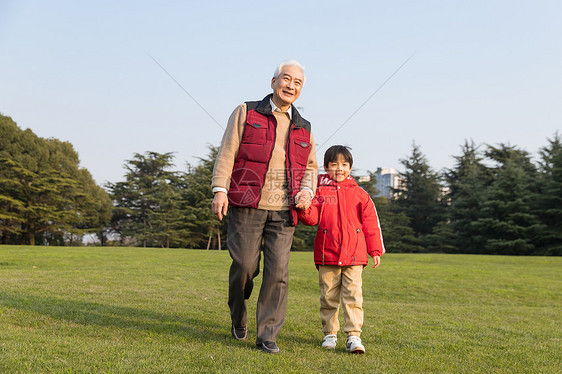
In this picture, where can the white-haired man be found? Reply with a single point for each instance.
(265, 168)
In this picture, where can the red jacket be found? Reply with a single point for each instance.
(348, 225)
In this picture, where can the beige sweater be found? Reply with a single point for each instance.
(275, 190)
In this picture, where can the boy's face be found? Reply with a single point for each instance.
(339, 169)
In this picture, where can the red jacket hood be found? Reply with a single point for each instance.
(326, 180)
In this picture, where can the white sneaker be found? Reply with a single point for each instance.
(354, 345)
(330, 342)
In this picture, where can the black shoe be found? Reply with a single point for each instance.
(269, 347)
(239, 333)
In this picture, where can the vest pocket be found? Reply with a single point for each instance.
(254, 133)
(301, 151)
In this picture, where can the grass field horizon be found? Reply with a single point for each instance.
(129, 310)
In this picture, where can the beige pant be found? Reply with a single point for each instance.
(337, 282)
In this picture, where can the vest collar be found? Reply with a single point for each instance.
(264, 107)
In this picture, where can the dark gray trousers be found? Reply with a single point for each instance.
(246, 229)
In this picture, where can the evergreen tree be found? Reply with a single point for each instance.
(467, 183)
(508, 224)
(419, 195)
(44, 195)
(397, 233)
(504, 153)
(159, 207)
(466, 210)
(143, 204)
(11, 205)
(167, 217)
(549, 201)
(124, 212)
(95, 204)
(204, 227)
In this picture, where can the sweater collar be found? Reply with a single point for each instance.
(264, 107)
(276, 108)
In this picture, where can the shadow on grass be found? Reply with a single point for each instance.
(96, 314)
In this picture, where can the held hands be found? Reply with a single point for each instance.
(377, 261)
(303, 200)
(220, 205)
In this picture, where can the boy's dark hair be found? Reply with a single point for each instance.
(334, 151)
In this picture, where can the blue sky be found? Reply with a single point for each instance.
(85, 72)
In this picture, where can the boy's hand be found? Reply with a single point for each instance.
(377, 261)
(303, 200)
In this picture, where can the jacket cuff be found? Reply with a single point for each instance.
(376, 253)
(309, 190)
(220, 189)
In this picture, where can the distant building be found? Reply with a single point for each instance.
(387, 179)
(363, 178)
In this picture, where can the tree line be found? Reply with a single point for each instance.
(45, 197)
(494, 200)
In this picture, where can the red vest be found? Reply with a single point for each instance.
(256, 147)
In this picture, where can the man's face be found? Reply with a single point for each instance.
(339, 169)
(287, 86)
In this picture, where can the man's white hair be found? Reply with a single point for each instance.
(290, 63)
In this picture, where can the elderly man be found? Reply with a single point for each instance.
(265, 168)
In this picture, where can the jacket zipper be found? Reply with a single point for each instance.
(325, 232)
(357, 231)
(323, 244)
(340, 219)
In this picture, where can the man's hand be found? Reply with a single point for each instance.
(377, 261)
(220, 205)
(303, 200)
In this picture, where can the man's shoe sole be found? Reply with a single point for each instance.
(262, 346)
(236, 336)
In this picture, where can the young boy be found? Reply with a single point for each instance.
(348, 230)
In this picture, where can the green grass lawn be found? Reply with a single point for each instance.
(116, 310)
